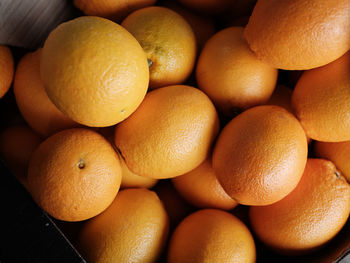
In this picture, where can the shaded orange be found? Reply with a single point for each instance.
(201, 188)
(35, 106)
(312, 214)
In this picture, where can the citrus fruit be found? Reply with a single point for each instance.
(260, 155)
(299, 34)
(131, 180)
(114, 10)
(133, 229)
(203, 26)
(74, 175)
(312, 214)
(168, 41)
(208, 6)
(337, 152)
(230, 74)
(170, 134)
(321, 101)
(17, 143)
(94, 71)
(211, 235)
(175, 205)
(35, 106)
(201, 188)
(282, 96)
(6, 69)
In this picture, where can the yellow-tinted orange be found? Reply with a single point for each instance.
(94, 71)
(170, 134)
(299, 34)
(111, 9)
(321, 101)
(201, 188)
(312, 214)
(231, 75)
(74, 175)
(168, 41)
(337, 152)
(211, 235)
(35, 106)
(133, 229)
(6, 69)
(260, 155)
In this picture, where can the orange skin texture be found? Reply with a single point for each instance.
(74, 175)
(168, 41)
(321, 101)
(201, 188)
(129, 179)
(17, 143)
(312, 214)
(231, 75)
(203, 26)
(337, 152)
(170, 134)
(7, 69)
(260, 155)
(132, 180)
(114, 10)
(35, 106)
(133, 229)
(211, 235)
(286, 35)
(207, 6)
(94, 71)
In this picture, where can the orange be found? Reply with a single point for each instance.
(133, 229)
(337, 152)
(74, 174)
(201, 188)
(168, 41)
(114, 10)
(6, 69)
(175, 205)
(131, 180)
(321, 101)
(299, 34)
(36, 107)
(211, 235)
(208, 6)
(260, 155)
(203, 26)
(94, 71)
(230, 74)
(312, 214)
(17, 143)
(170, 134)
(282, 96)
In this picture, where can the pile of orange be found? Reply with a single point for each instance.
(179, 109)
